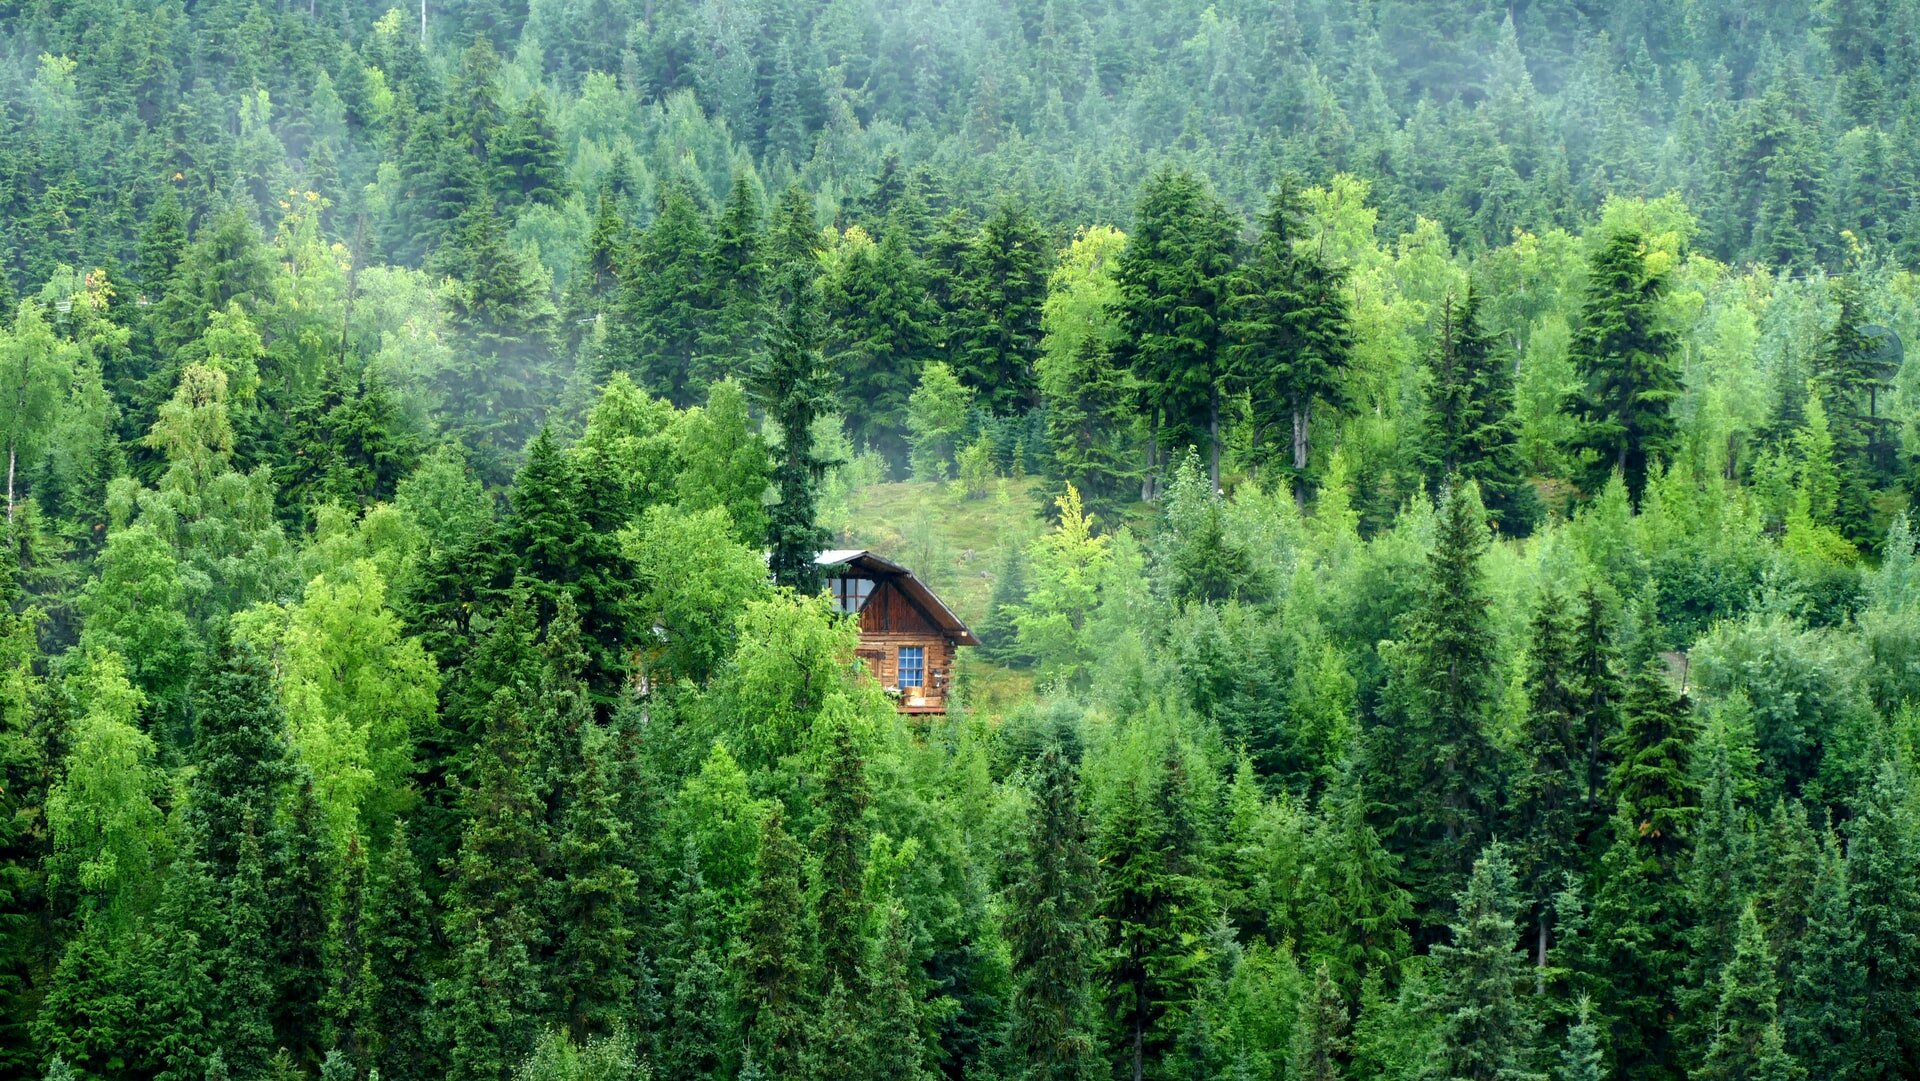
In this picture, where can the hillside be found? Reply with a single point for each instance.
(1434, 481)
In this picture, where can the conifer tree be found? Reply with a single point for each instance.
(302, 888)
(662, 315)
(241, 947)
(1173, 281)
(1747, 1044)
(883, 330)
(840, 844)
(399, 934)
(487, 1003)
(1488, 1030)
(1545, 801)
(1051, 933)
(1292, 339)
(1155, 904)
(1883, 872)
(1003, 284)
(1821, 1000)
(592, 918)
(350, 994)
(1320, 1032)
(1470, 432)
(773, 944)
(1431, 761)
(1582, 1059)
(891, 1019)
(739, 269)
(239, 755)
(790, 383)
(1357, 911)
(1624, 354)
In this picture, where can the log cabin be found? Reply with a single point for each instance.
(907, 634)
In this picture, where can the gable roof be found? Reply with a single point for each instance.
(879, 568)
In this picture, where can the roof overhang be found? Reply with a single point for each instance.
(879, 568)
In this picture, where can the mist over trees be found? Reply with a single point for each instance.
(1431, 483)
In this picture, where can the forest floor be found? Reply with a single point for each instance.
(955, 545)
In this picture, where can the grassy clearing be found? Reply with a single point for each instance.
(952, 543)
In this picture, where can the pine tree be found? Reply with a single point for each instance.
(1292, 338)
(790, 383)
(1624, 354)
(1004, 282)
(1051, 933)
(840, 843)
(1320, 1033)
(772, 960)
(1173, 280)
(1470, 430)
(1883, 872)
(1583, 1058)
(1431, 761)
(1487, 1028)
(1747, 1044)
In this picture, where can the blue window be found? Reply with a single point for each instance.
(913, 666)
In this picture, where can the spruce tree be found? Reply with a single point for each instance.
(241, 948)
(1292, 335)
(883, 330)
(239, 755)
(597, 895)
(1883, 872)
(996, 339)
(1156, 906)
(1051, 933)
(739, 268)
(1488, 1031)
(487, 1003)
(1747, 1044)
(790, 383)
(662, 315)
(840, 844)
(1431, 760)
(1820, 1009)
(1173, 282)
(1320, 1032)
(1470, 432)
(303, 888)
(1624, 354)
(774, 997)
(399, 935)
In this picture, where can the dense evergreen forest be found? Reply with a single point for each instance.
(1470, 625)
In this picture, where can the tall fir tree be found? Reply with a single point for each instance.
(1624, 353)
(1292, 335)
(1470, 432)
(1488, 1029)
(791, 384)
(1051, 933)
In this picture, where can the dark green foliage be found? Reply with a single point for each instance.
(1052, 935)
(774, 992)
(996, 337)
(1625, 357)
(1320, 1033)
(1883, 871)
(790, 383)
(662, 315)
(1292, 336)
(1746, 1030)
(840, 845)
(1488, 1029)
(1437, 807)
(1470, 433)
(1173, 278)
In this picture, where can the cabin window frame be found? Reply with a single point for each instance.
(917, 669)
(850, 593)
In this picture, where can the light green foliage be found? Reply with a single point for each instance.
(359, 695)
(936, 415)
(108, 833)
(694, 579)
(1066, 568)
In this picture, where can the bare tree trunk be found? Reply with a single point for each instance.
(1153, 456)
(423, 23)
(1213, 437)
(1301, 447)
(12, 455)
(1540, 956)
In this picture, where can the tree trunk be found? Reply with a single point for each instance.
(1153, 456)
(12, 455)
(1540, 955)
(1300, 450)
(1213, 437)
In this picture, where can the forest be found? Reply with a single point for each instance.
(1431, 481)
